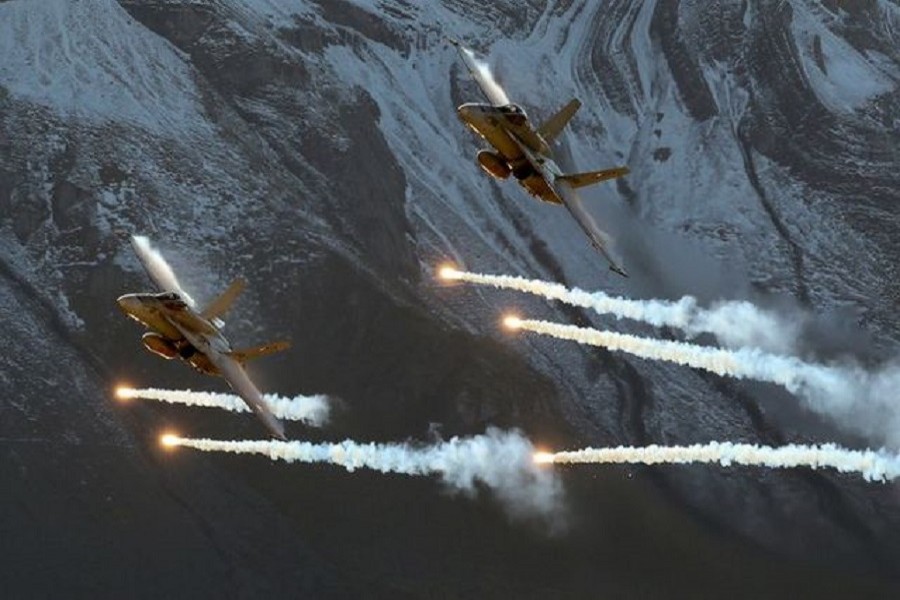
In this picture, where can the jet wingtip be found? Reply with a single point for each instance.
(618, 270)
(276, 430)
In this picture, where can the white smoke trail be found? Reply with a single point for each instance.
(481, 71)
(500, 460)
(744, 363)
(872, 465)
(312, 410)
(865, 402)
(735, 324)
(158, 269)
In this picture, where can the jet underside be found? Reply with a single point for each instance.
(174, 330)
(517, 144)
(179, 330)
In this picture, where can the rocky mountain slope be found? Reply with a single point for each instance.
(312, 146)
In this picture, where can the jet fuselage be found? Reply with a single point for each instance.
(522, 150)
(190, 340)
(179, 330)
(519, 147)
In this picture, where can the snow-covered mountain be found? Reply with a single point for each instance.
(313, 147)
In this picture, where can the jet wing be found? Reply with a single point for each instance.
(240, 382)
(162, 274)
(189, 320)
(158, 269)
(481, 73)
(570, 199)
(231, 370)
(599, 238)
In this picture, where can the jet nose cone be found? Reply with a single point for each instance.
(276, 428)
(127, 303)
(466, 112)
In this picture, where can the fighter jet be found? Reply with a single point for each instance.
(523, 151)
(179, 330)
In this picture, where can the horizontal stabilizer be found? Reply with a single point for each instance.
(599, 238)
(554, 126)
(220, 305)
(579, 180)
(247, 354)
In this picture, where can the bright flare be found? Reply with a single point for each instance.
(125, 392)
(512, 322)
(170, 440)
(542, 458)
(744, 363)
(448, 272)
(870, 464)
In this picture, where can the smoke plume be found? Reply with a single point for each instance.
(734, 323)
(871, 465)
(312, 410)
(502, 461)
(862, 401)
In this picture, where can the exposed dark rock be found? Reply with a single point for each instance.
(299, 178)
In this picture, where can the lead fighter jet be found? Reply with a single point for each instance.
(523, 151)
(179, 330)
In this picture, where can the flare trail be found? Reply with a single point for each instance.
(312, 410)
(501, 460)
(734, 323)
(871, 465)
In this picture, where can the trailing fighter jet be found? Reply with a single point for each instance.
(179, 330)
(523, 151)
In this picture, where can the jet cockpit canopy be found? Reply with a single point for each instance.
(514, 113)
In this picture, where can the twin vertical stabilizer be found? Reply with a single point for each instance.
(551, 129)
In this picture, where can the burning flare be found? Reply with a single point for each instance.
(512, 322)
(482, 73)
(543, 458)
(448, 272)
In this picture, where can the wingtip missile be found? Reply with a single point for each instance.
(618, 270)
(276, 429)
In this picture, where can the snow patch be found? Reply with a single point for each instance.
(88, 59)
(849, 79)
